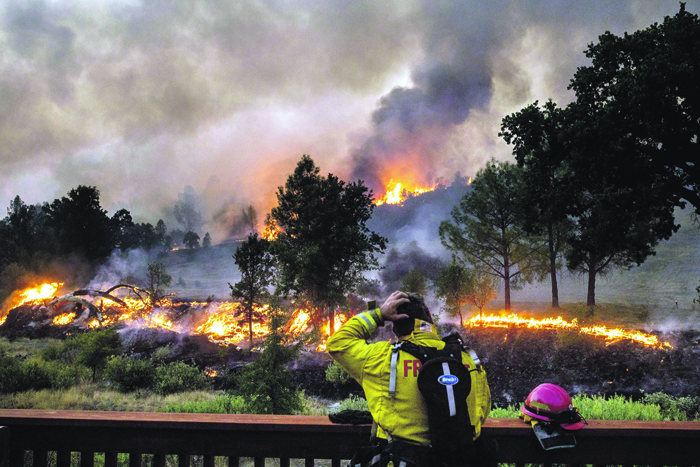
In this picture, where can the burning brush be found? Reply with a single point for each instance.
(610, 335)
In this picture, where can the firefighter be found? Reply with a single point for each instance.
(400, 415)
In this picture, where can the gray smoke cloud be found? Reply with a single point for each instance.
(141, 99)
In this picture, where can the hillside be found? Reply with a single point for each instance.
(672, 274)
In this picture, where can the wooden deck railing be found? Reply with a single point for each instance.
(310, 438)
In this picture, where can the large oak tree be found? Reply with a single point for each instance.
(644, 88)
(538, 146)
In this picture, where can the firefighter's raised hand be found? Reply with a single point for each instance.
(389, 307)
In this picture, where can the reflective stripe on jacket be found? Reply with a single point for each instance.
(403, 416)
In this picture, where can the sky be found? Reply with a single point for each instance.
(146, 100)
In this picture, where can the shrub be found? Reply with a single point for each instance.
(337, 374)
(221, 404)
(657, 406)
(51, 352)
(18, 376)
(66, 376)
(616, 407)
(161, 353)
(95, 348)
(129, 374)
(352, 403)
(176, 377)
(267, 384)
(675, 408)
(312, 378)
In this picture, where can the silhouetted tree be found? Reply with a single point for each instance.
(250, 219)
(538, 146)
(455, 285)
(157, 279)
(187, 211)
(124, 234)
(147, 236)
(191, 240)
(256, 264)
(484, 290)
(487, 229)
(206, 242)
(324, 245)
(642, 90)
(161, 233)
(415, 281)
(80, 224)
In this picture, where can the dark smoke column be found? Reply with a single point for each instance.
(410, 125)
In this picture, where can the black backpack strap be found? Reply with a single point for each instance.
(455, 339)
(421, 352)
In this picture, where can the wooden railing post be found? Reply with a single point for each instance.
(134, 459)
(63, 459)
(111, 459)
(40, 458)
(16, 458)
(87, 459)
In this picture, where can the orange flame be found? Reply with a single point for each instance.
(65, 318)
(226, 328)
(270, 233)
(338, 321)
(608, 334)
(37, 295)
(300, 322)
(396, 193)
(33, 296)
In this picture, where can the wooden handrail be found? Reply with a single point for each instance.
(307, 437)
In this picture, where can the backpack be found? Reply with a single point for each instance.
(444, 382)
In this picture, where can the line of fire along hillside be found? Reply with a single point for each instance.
(221, 322)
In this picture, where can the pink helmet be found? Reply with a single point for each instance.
(552, 403)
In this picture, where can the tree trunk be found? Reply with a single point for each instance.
(331, 323)
(250, 327)
(506, 284)
(553, 269)
(590, 301)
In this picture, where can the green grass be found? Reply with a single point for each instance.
(91, 396)
(619, 408)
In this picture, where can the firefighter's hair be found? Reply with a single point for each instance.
(415, 309)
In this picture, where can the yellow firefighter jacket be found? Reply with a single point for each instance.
(404, 417)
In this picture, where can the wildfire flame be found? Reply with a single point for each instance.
(611, 335)
(37, 295)
(65, 318)
(338, 321)
(225, 327)
(396, 193)
(270, 233)
(301, 319)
